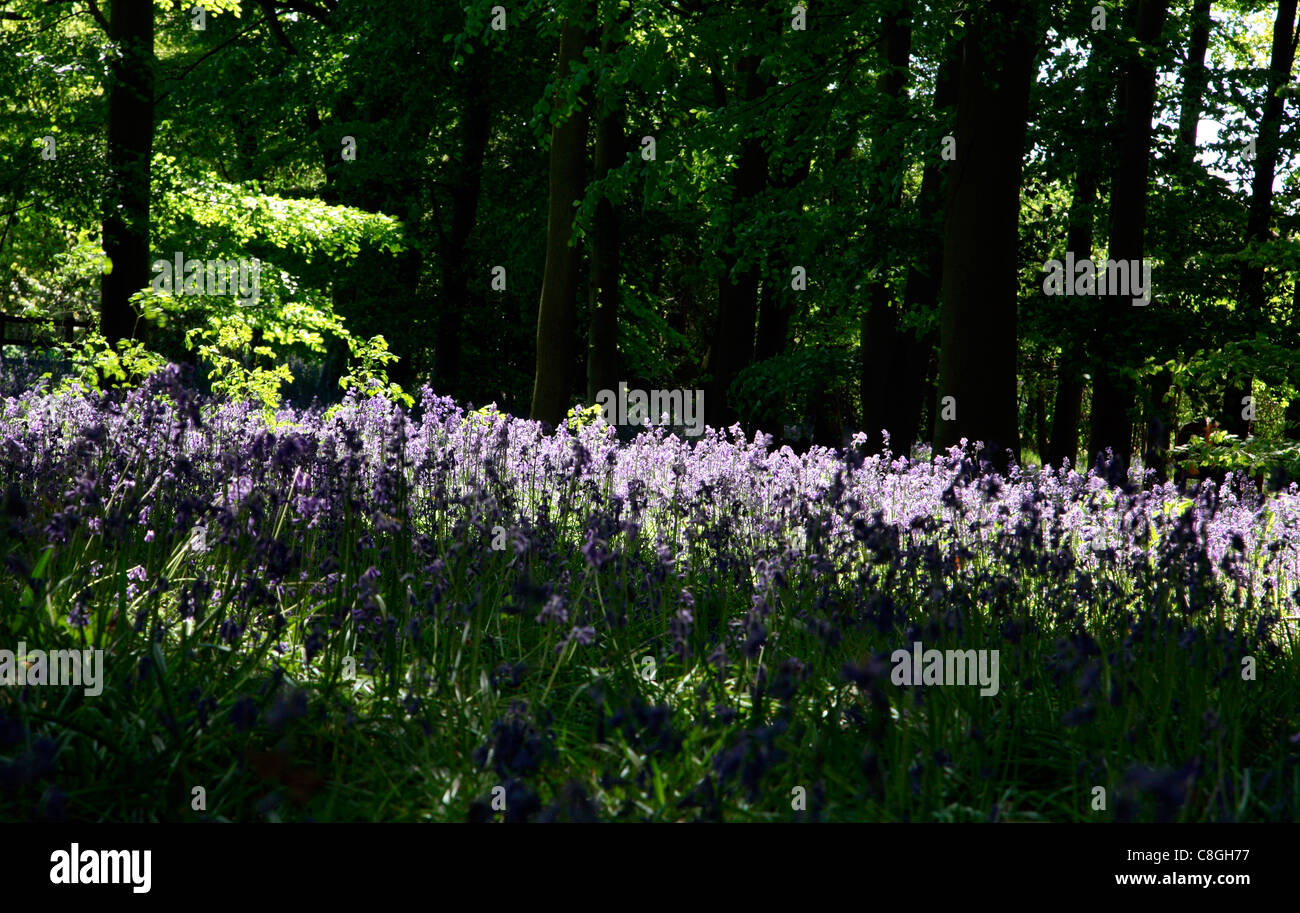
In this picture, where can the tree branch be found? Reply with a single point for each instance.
(319, 12)
(273, 23)
(189, 69)
(99, 15)
(94, 12)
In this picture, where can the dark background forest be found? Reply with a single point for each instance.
(830, 216)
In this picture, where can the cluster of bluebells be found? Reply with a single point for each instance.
(379, 524)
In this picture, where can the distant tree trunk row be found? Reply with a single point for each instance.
(1259, 218)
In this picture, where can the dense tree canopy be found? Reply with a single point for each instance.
(829, 216)
(330, 332)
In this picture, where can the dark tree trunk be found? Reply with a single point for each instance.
(558, 305)
(776, 301)
(1195, 76)
(878, 342)
(602, 335)
(1068, 405)
(373, 276)
(475, 129)
(978, 348)
(878, 336)
(1067, 409)
(932, 383)
(732, 348)
(1040, 416)
(1291, 428)
(1251, 298)
(918, 354)
(1113, 394)
(130, 149)
(1162, 417)
(774, 310)
(329, 155)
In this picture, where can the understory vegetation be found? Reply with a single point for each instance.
(376, 613)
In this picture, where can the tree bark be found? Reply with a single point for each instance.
(1195, 76)
(475, 129)
(129, 154)
(878, 335)
(1067, 409)
(978, 333)
(1259, 218)
(776, 300)
(1291, 419)
(602, 335)
(1068, 405)
(1114, 394)
(558, 305)
(732, 348)
(916, 359)
(1162, 417)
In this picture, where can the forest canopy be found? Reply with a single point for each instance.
(828, 216)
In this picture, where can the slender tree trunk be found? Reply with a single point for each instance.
(558, 305)
(1291, 428)
(1040, 416)
(1067, 407)
(978, 332)
(1114, 395)
(1195, 76)
(732, 348)
(602, 335)
(129, 152)
(776, 301)
(329, 155)
(1162, 417)
(917, 361)
(931, 386)
(1159, 423)
(373, 275)
(475, 130)
(878, 336)
(336, 352)
(1068, 404)
(1259, 219)
(877, 342)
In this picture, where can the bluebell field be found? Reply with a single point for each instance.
(375, 613)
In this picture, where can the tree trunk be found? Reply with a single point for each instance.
(1040, 416)
(1291, 421)
(878, 336)
(475, 130)
(558, 305)
(978, 337)
(602, 335)
(1113, 394)
(130, 149)
(1162, 417)
(1068, 405)
(732, 348)
(1067, 410)
(1251, 298)
(1195, 76)
(917, 371)
(776, 302)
